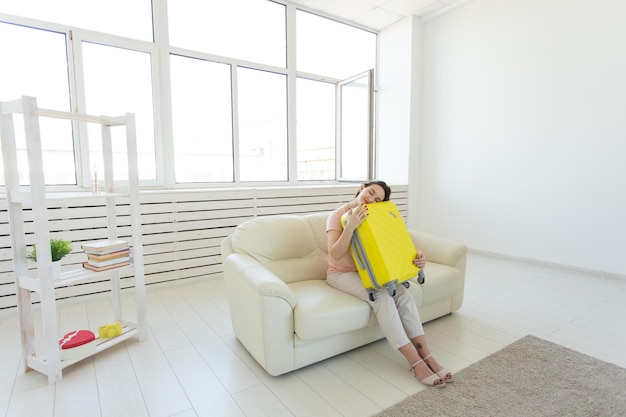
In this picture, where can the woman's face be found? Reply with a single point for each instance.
(371, 194)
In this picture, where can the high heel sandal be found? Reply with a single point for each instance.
(432, 380)
(444, 374)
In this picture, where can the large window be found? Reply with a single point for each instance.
(249, 30)
(315, 130)
(334, 120)
(118, 81)
(217, 98)
(202, 120)
(128, 18)
(262, 108)
(354, 128)
(332, 48)
(38, 68)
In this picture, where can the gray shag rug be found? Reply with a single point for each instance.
(529, 378)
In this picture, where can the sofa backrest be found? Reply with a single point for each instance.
(293, 247)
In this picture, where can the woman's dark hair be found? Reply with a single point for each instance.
(382, 184)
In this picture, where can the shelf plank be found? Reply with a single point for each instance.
(73, 276)
(129, 330)
(37, 364)
(103, 120)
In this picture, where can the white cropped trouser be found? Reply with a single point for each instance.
(397, 316)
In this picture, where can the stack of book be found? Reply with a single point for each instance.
(106, 254)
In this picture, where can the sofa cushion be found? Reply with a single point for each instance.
(444, 282)
(323, 311)
(284, 244)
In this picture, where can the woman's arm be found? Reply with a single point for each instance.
(339, 241)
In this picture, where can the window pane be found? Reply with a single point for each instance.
(355, 130)
(202, 118)
(250, 30)
(36, 66)
(331, 48)
(262, 125)
(315, 130)
(118, 81)
(129, 18)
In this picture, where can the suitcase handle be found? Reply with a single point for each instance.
(361, 259)
(357, 252)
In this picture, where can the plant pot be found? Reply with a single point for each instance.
(56, 270)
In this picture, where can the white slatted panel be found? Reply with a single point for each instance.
(182, 230)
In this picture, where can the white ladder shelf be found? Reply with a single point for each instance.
(36, 198)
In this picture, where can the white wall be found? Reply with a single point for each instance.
(394, 81)
(523, 140)
(523, 148)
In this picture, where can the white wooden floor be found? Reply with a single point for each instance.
(192, 365)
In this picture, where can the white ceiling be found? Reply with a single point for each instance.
(375, 14)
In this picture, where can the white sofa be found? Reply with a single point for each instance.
(288, 317)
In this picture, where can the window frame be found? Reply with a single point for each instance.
(369, 75)
(76, 39)
(159, 51)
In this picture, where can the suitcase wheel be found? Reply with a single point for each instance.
(372, 298)
(406, 284)
(420, 277)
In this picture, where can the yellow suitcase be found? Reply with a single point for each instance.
(383, 250)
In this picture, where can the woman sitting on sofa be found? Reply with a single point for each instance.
(398, 315)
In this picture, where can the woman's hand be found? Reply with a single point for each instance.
(356, 216)
(420, 259)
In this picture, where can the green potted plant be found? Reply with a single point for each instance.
(58, 248)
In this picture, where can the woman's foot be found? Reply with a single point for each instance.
(441, 372)
(422, 372)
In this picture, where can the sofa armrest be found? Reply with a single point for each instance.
(261, 312)
(439, 250)
(258, 278)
